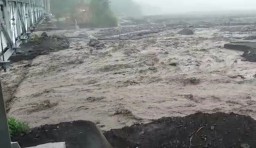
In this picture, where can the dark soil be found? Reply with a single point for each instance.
(79, 134)
(196, 131)
(40, 46)
(200, 130)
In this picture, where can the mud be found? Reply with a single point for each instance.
(136, 80)
(200, 130)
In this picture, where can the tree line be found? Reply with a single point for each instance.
(104, 13)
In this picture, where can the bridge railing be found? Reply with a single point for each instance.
(17, 19)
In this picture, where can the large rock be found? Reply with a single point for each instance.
(237, 46)
(96, 44)
(186, 31)
(44, 35)
(248, 47)
(241, 45)
(250, 55)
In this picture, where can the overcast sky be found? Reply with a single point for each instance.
(182, 6)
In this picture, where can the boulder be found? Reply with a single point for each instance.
(96, 44)
(237, 46)
(93, 42)
(186, 31)
(250, 55)
(44, 35)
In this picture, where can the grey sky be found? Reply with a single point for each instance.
(182, 6)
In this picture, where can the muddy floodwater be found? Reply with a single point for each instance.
(133, 74)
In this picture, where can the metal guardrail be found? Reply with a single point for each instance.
(17, 19)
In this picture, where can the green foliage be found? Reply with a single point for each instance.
(17, 127)
(101, 14)
(126, 8)
(62, 7)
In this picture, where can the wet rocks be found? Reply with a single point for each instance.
(95, 99)
(152, 68)
(192, 81)
(93, 42)
(250, 55)
(173, 64)
(237, 46)
(44, 35)
(249, 49)
(96, 44)
(186, 31)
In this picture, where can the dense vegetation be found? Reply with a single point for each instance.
(60, 8)
(16, 127)
(126, 8)
(101, 14)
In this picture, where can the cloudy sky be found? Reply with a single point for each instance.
(182, 6)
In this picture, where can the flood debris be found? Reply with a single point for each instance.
(40, 45)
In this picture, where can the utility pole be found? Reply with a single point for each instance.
(5, 140)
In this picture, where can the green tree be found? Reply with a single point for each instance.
(126, 8)
(102, 15)
(60, 8)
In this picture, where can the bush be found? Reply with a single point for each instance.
(100, 11)
(106, 20)
(102, 16)
(17, 127)
(126, 8)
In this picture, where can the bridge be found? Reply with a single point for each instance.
(18, 18)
